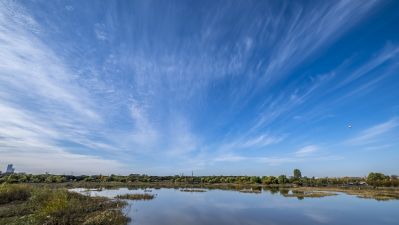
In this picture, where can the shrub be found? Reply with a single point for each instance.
(10, 193)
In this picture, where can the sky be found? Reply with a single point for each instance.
(216, 87)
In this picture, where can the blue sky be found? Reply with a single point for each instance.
(217, 87)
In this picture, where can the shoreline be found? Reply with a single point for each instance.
(368, 192)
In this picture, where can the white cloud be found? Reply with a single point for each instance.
(42, 104)
(144, 134)
(69, 8)
(260, 141)
(308, 31)
(31, 144)
(374, 133)
(385, 55)
(29, 69)
(307, 150)
(60, 162)
(274, 161)
(45, 101)
(229, 158)
(100, 31)
(179, 138)
(305, 154)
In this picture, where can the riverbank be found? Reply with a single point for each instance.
(377, 193)
(22, 204)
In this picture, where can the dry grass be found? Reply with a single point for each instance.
(9, 193)
(380, 194)
(44, 206)
(192, 190)
(136, 196)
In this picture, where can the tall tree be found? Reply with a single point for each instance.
(282, 179)
(297, 174)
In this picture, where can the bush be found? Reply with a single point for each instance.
(10, 193)
(105, 218)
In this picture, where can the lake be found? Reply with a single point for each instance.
(225, 207)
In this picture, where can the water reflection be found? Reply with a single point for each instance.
(261, 206)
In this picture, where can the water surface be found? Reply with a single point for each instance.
(224, 207)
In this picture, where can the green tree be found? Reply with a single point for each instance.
(297, 174)
(282, 179)
(269, 180)
(255, 180)
(377, 178)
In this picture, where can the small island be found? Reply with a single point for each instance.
(136, 196)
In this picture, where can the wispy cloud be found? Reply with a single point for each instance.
(342, 84)
(389, 52)
(307, 31)
(144, 134)
(41, 103)
(294, 160)
(230, 158)
(32, 144)
(99, 30)
(305, 154)
(181, 141)
(277, 160)
(142, 86)
(261, 141)
(307, 150)
(374, 133)
(256, 142)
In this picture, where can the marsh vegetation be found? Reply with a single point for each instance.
(192, 190)
(31, 205)
(380, 194)
(136, 196)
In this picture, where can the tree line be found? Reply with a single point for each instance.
(373, 179)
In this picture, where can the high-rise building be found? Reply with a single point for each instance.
(10, 169)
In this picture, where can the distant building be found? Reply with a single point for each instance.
(10, 168)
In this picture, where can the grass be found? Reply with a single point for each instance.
(301, 194)
(10, 193)
(361, 192)
(136, 196)
(380, 194)
(27, 205)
